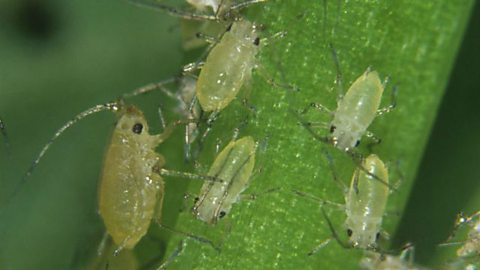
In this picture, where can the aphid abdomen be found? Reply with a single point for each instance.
(366, 201)
(227, 67)
(234, 165)
(128, 189)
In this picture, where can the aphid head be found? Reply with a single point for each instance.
(132, 121)
(363, 238)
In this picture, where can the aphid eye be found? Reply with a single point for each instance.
(137, 128)
(349, 232)
(332, 129)
(256, 42)
(357, 143)
(377, 236)
(222, 214)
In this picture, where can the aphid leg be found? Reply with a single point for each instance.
(322, 202)
(307, 126)
(177, 252)
(334, 232)
(173, 11)
(335, 177)
(339, 77)
(393, 103)
(191, 236)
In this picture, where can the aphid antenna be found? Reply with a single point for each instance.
(191, 236)
(112, 106)
(152, 87)
(357, 159)
(317, 199)
(334, 232)
(339, 76)
(3, 130)
(173, 11)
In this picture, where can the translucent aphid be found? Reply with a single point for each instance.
(234, 165)
(365, 203)
(355, 110)
(131, 187)
(228, 66)
(378, 261)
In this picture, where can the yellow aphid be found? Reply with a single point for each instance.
(234, 165)
(131, 189)
(228, 66)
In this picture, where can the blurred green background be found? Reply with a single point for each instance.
(59, 57)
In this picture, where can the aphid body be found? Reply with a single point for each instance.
(234, 165)
(365, 203)
(130, 191)
(356, 111)
(228, 66)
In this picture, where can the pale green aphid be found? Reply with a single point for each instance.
(234, 165)
(228, 66)
(365, 203)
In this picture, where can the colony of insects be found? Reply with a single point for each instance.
(131, 187)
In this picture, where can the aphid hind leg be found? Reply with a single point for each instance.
(393, 102)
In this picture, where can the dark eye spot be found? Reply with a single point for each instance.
(222, 214)
(332, 129)
(357, 143)
(137, 128)
(349, 232)
(256, 42)
(377, 236)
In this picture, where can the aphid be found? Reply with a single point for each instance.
(365, 202)
(228, 66)
(355, 110)
(234, 165)
(377, 261)
(131, 187)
